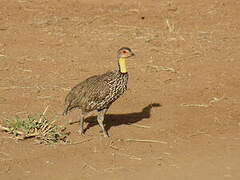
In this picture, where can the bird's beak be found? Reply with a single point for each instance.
(133, 54)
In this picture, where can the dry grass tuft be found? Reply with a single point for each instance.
(42, 129)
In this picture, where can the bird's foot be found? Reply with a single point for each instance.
(81, 132)
(104, 133)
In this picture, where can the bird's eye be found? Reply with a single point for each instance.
(124, 51)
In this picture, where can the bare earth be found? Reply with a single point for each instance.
(187, 62)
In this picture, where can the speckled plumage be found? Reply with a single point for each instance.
(100, 91)
(97, 92)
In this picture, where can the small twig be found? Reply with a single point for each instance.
(30, 135)
(80, 142)
(170, 26)
(146, 140)
(85, 165)
(91, 167)
(44, 97)
(214, 100)
(45, 125)
(48, 129)
(111, 169)
(140, 126)
(167, 69)
(44, 112)
(8, 130)
(197, 133)
(49, 126)
(4, 128)
(194, 105)
(130, 156)
(161, 68)
(73, 122)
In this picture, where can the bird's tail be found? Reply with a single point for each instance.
(66, 109)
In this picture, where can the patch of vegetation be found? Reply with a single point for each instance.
(41, 128)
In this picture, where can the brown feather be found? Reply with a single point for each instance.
(97, 92)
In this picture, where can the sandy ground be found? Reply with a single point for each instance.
(187, 62)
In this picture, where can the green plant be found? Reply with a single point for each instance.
(40, 128)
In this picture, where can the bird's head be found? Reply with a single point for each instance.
(125, 52)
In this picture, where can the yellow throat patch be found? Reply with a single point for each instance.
(122, 65)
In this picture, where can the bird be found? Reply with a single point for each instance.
(98, 92)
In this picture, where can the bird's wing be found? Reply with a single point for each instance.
(97, 88)
(90, 92)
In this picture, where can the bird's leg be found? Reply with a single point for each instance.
(81, 130)
(100, 119)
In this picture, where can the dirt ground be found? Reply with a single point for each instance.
(183, 87)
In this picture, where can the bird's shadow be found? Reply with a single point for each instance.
(111, 120)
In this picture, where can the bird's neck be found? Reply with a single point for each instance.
(122, 65)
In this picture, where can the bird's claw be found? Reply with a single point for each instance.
(81, 132)
(105, 134)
